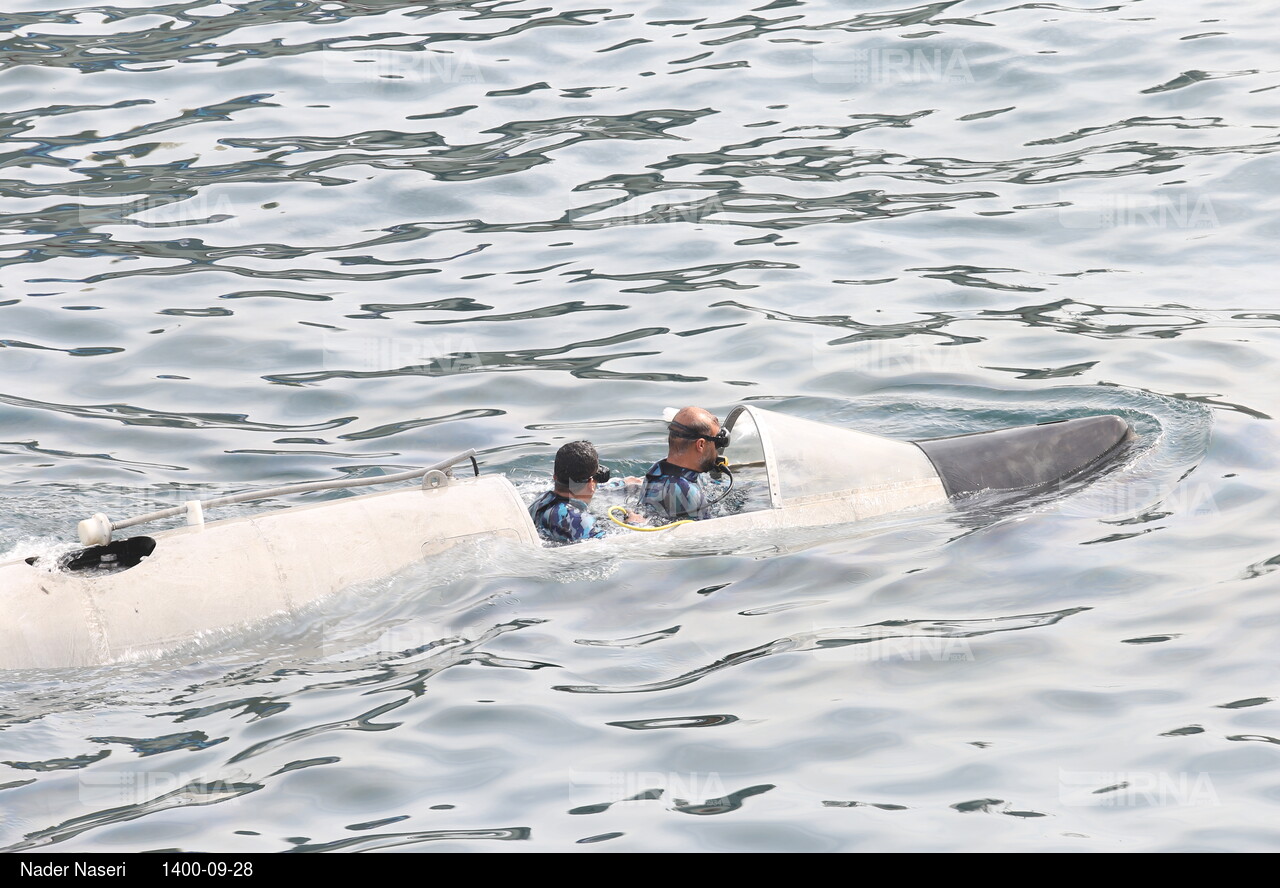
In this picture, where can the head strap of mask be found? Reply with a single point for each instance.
(601, 475)
(680, 430)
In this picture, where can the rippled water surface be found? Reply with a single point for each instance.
(249, 243)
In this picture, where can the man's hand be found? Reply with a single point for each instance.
(635, 518)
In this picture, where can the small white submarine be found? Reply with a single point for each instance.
(128, 596)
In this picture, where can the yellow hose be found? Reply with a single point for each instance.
(623, 510)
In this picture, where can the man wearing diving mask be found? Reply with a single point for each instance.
(673, 488)
(561, 514)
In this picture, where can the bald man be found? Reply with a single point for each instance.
(673, 488)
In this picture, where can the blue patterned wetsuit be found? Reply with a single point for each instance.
(562, 519)
(672, 493)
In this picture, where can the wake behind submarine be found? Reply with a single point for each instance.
(133, 596)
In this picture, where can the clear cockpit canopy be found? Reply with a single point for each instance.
(799, 460)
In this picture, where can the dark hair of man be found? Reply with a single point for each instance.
(576, 463)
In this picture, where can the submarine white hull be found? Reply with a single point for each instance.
(176, 585)
(238, 571)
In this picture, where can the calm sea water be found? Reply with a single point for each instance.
(247, 243)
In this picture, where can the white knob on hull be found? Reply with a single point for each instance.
(95, 531)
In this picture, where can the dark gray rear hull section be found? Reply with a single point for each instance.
(1027, 456)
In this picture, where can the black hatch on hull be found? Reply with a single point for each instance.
(1028, 456)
